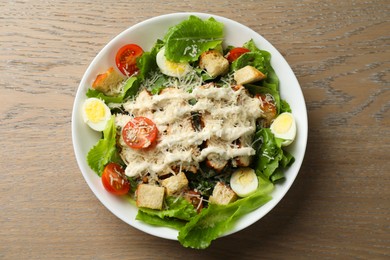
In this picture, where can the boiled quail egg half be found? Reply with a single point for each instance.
(284, 127)
(96, 113)
(244, 182)
(169, 68)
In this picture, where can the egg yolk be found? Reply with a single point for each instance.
(245, 178)
(175, 67)
(283, 123)
(95, 112)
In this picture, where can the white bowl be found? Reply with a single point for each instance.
(145, 35)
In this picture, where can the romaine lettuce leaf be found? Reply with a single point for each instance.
(270, 157)
(176, 207)
(147, 62)
(129, 89)
(254, 59)
(178, 212)
(284, 106)
(161, 222)
(215, 220)
(272, 80)
(187, 40)
(261, 60)
(104, 151)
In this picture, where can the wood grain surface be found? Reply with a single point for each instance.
(338, 207)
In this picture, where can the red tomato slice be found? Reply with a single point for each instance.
(140, 132)
(235, 53)
(126, 59)
(114, 179)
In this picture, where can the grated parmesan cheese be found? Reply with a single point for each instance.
(227, 114)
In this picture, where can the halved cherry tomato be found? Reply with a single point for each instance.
(114, 179)
(126, 59)
(235, 53)
(140, 132)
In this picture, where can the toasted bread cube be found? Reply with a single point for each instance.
(175, 184)
(268, 107)
(216, 162)
(108, 81)
(242, 161)
(248, 74)
(222, 195)
(214, 63)
(150, 196)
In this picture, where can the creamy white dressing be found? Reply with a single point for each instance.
(226, 152)
(227, 115)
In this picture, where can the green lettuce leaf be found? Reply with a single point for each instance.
(129, 89)
(272, 80)
(215, 220)
(254, 59)
(187, 40)
(147, 62)
(159, 84)
(176, 207)
(161, 222)
(104, 151)
(177, 213)
(261, 60)
(271, 158)
(284, 106)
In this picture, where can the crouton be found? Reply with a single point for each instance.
(150, 196)
(248, 74)
(185, 167)
(175, 184)
(268, 108)
(242, 161)
(222, 195)
(190, 168)
(214, 63)
(108, 82)
(195, 198)
(216, 162)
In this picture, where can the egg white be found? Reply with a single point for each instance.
(96, 113)
(244, 182)
(284, 127)
(170, 68)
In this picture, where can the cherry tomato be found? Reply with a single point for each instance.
(235, 53)
(140, 132)
(114, 179)
(126, 59)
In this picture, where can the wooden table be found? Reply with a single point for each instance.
(338, 206)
